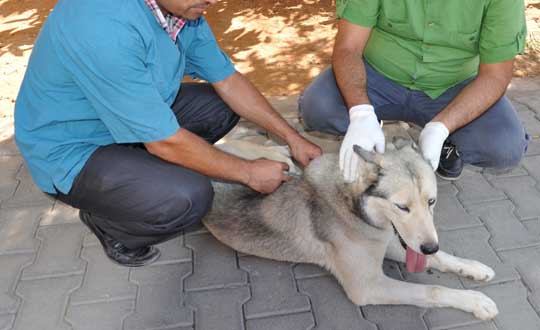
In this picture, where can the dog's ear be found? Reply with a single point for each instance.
(368, 156)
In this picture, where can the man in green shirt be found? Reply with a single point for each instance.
(443, 65)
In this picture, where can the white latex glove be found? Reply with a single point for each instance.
(365, 131)
(431, 141)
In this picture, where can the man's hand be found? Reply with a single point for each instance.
(266, 175)
(431, 141)
(302, 150)
(365, 131)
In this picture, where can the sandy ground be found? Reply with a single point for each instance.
(280, 45)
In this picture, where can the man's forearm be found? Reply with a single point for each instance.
(246, 101)
(189, 150)
(477, 97)
(350, 73)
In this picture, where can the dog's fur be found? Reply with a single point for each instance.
(348, 228)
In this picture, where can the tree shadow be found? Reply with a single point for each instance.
(22, 20)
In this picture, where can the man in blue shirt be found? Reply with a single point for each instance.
(103, 123)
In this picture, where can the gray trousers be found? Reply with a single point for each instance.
(140, 199)
(496, 139)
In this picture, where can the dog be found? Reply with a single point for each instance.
(349, 228)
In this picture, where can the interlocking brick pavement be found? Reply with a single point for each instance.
(54, 274)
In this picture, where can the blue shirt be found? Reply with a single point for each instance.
(104, 72)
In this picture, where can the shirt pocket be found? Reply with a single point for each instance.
(395, 10)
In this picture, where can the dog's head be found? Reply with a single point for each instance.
(403, 193)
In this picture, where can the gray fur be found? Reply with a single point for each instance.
(348, 227)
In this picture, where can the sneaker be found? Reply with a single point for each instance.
(450, 163)
(118, 252)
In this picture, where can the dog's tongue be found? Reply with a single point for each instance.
(416, 262)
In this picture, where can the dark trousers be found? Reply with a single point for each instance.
(140, 199)
(495, 140)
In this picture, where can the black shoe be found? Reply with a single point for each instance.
(118, 252)
(450, 163)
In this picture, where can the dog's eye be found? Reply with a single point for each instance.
(402, 208)
(431, 201)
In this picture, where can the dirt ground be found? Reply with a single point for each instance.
(280, 45)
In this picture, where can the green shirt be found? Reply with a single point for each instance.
(432, 45)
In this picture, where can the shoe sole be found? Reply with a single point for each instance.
(447, 178)
(93, 228)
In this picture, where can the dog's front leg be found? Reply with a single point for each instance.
(444, 262)
(387, 291)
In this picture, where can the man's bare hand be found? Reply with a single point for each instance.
(303, 151)
(266, 175)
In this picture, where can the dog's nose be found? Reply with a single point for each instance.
(429, 248)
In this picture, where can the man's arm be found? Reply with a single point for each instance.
(478, 96)
(348, 64)
(189, 150)
(249, 103)
(475, 99)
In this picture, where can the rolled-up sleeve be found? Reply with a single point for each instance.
(112, 74)
(204, 58)
(359, 12)
(503, 32)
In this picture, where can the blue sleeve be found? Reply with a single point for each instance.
(110, 70)
(204, 58)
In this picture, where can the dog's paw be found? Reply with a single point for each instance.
(476, 271)
(481, 305)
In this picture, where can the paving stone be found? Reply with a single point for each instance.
(478, 326)
(529, 120)
(522, 87)
(11, 268)
(514, 309)
(159, 298)
(44, 303)
(8, 184)
(533, 226)
(472, 243)
(104, 280)
(60, 214)
(273, 288)
(6, 321)
(532, 165)
(507, 232)
(17, 228)
(331, 307)
(7, 189)
(287, 106)
(527, 262)
(102, 316)
(8, 148)
(10, 165)
(398, 317)
(300, 321)
(219, 309)
(173, 251)
(534, 147)
(474, 188)
(302, 271)
(214, 264)
(449, 213)
(27, 193)
(490, 174)
(524, 193)
(59, 252)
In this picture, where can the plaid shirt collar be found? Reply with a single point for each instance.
(171, 24)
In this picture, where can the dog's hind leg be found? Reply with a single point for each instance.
(387, 291)
(444, 262)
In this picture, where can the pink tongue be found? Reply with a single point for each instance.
(416, 262)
